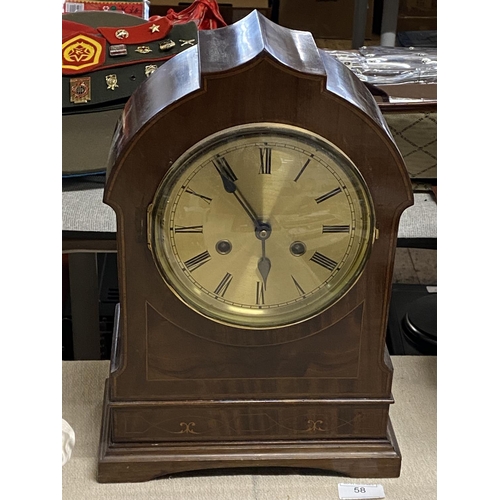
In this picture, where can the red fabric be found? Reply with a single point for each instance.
(205, 13)
(70, 28)
(142, 33)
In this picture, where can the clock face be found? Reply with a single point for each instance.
(261, 226)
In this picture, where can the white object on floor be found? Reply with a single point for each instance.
(68, 441)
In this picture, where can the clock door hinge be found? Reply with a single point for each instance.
(149, 224)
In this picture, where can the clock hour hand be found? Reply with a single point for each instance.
(229, 185)
(264, 265)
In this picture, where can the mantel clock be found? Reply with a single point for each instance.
(258, 193)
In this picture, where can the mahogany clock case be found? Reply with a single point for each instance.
(398, 343)
(187, 393)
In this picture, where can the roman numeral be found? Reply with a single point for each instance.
(299, 288)
(302, 169)
(223, 285)
(204, 198)
(265, 160)
(188, 229)
(324, 261)
(328, 195)
(259, 297)
(336, 229)
(197, 261)
(222, 166)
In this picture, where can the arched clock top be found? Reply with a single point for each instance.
(227, 48)
(234, 50)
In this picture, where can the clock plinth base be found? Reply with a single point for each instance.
(138, 462)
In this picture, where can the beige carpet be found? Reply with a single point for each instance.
(413, 416)
(416, 137)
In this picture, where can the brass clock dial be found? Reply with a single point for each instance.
(261, 226)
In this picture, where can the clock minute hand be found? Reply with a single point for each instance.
(230, 187)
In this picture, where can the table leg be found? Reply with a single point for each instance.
(359, 23)
(84, 292)
(389, 23)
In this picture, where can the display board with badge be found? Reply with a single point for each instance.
(106, 56)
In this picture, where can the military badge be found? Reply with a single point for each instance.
(166, 45)
(118, 50)
(79, 90)
(111, 82)
(144, 49)
(82, 53)
(121, 34)
(150, 69)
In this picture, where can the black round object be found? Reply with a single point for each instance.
(420, 324)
